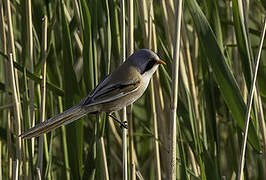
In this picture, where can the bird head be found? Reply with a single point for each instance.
(146, 61)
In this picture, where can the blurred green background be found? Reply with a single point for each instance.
(82, 44)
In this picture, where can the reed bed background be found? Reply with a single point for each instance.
(191, 122)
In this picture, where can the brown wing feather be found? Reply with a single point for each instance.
(115, 87)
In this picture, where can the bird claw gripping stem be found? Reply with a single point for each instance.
(122, 124)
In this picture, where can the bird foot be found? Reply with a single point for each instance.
(122, 124)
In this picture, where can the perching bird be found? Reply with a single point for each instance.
(119, 89)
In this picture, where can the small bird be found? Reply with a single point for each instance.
(119, 89)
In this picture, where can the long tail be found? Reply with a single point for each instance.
(63, 118)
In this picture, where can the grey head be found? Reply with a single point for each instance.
(145, 60)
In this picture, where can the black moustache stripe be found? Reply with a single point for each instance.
(149, 65)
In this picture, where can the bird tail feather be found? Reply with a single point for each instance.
(63, 118)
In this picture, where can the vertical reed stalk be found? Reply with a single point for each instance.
(250, 100)
(64, 142)
(152, 45)
(14, 83)
(129, 108)
(10, 150)
(43, 91)
(174, 97)
(7, 97)
(163, 136)
(190, 71)
(170, 8)
(12, 41)
(31, 69)
(144, 19)
(76, 36)
(131, 143)
(106, 173)
(103, 151)
(16, 114)
(124, 117)
(15, 169)
(156, 136)
(13, 51)
(166, 26)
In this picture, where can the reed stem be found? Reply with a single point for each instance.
(174, 97)
(250, 100)
(124, 111)
(43, 92)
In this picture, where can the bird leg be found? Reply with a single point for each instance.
(122, 124)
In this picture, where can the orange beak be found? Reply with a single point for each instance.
(161, 62)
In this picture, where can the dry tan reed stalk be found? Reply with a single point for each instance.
(191, 80)
(261, 121)
(155, 130)
(115, 133)
(131, 143)
(64, 142)
(196, 48)
(31, 69)
(105, 166)
(170, 8)
(17, 108)
(76, 36)
(14, 82)
(159, 98)
(174, 98)
(102, 146)
(187, 86)
(77, 13)
(193, 161)
(119, 140)
(144, 20)
(10, 153)
(16, 97)
(250, 100)
(129, 108)
(152, 45)
(162, 120)
(124, 111)
(12, 43)
(166, 26)
(7, 97)
(183, 72)
(15, 167)
(43, 92)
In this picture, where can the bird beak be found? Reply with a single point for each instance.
(161, 62)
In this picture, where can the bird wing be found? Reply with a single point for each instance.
(110, 92)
